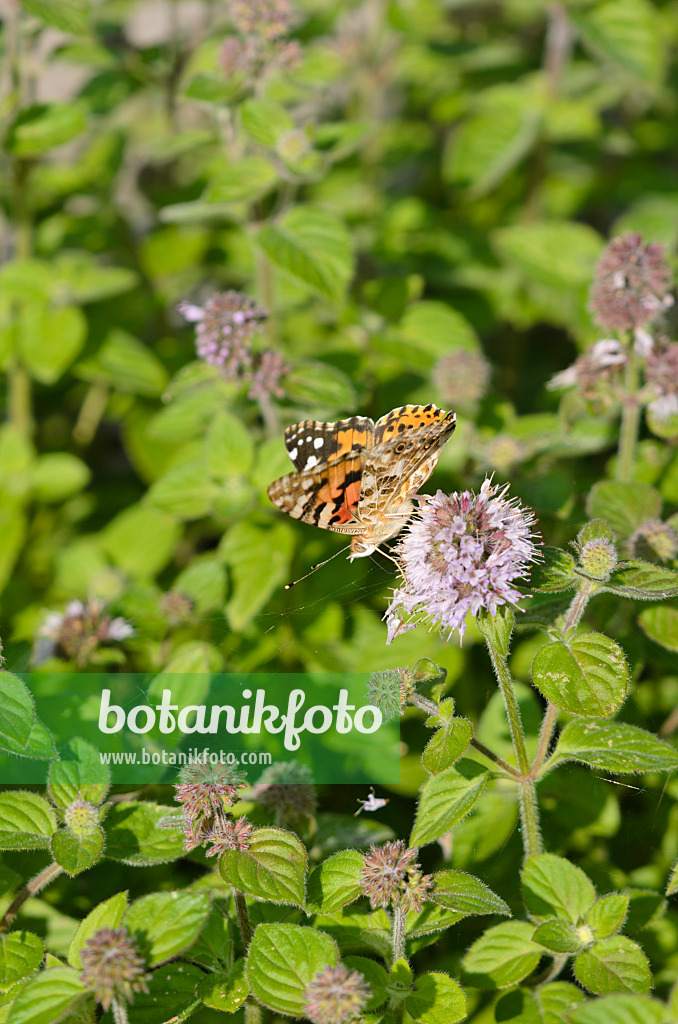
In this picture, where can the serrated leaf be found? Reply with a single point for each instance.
(225, 991)
(608, 914)
(282, 960)
(133, 836)
(558, 936)
(230, 448)
(554, 572)
(214, 947)
(628, 34)
(171, 993)
(185, 491)
(27, 821)
(320, 386)
(615, 747)
(79, 774)
(447, 745)
(660, 623)
(643, 581)
(623, 506)
(557, 254)
(249, 178)
(167, 923)
(375, 976)
(49, 997)
(245, 548)
(623, 1009)
(107, 914)
(466, 894)
(502, 956)
(272, 868)
(335, 883)
(555, 999)
(21, 953)
(497, 628)
(265, 121)
(445, 799)
(38, 327)
(17, 712)
(436, 999)
(77, 851)
(616, 964)
(554, 887)
(126, 364)
(436, 328)
(140, 540)
(587, 675)
(313, 246)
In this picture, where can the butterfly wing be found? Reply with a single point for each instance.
(408, 418)
(310, 443)
(326, 496)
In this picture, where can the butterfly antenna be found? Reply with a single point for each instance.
(319, 565)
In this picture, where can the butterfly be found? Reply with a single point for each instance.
(358, 477)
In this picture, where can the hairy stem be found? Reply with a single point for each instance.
(628, 437)
(547, 726)
(32, 888)
(529, 818)
(573, 615)
(243, 919)
(398, 933)
(252, 1012)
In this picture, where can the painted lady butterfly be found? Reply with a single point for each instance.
(356, 476)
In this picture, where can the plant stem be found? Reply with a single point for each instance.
(577, 607)
(119, 1012)
(252, 1013)
(398, 936)
(243, 919)
(547, 726)
(31, 888)
(496, 759)
(91, 411)
(628, 437)
(529, 807)
(19, 398)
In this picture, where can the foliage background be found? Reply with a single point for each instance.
(427, 180)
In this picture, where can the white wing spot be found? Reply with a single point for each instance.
(309, 439)
(318, 443)
(311, 462)
(293, 453)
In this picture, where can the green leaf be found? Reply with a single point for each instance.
(672, 884)
(320, 386)
(79, 774)
(21, 953)
(77, 851)
(335, 883)
(554, 573)
(553, 887)
(547, 1004)
(12, 531)
(282, 960)
(186, 491)
(230, 448)
(68, 15)
(436, 329)
(27, 821)
(494, 140)
(502, 956)
(49, 997)
(249, 178)
(133, 836)
(273, 867)
(587, 675)
(140, 540)
(171, 993)
(125, 364)
(629, 35)
(465, 894)
(615, 747)
(616, 964)
(57, 476)
(556, 999)
(558, 936)
(497, 628)
(17, 711)
(447, 745)
(108, 914)
(37, 329)
(313, 246)
(375, 976)
(167, 923)
(643, 581)
(595, 529)
(437, 999)
(660, 623)
(446, 799)
(245, 548)
(624, 1009)
(225, 991)
(43, 126)
(607, 915)
(265, 121)
(79, 276)
(624, 506)
(557, 254)
(204, 582)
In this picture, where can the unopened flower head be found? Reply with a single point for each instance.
(390, 691)
(661, 376)
(464, 552)
(416, 891)
(205, 791)
(224, 329)
(384, 875)
(112, 967)
(176, 607)
(592, 371)
(654, 541)
(462, 378)
(268, 19)
(265, 381)
(81, 817)
(79, 632)
(598, 558)
(286, 790)
(228, 835)
(336, 996)
(631, 283)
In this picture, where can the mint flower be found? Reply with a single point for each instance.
(336, 996)
(225, 326)
(384, 875)
(631, 284)
(265, 380)
(661, 376)
(112, 967)
(228, 835)
(205, 791)
(463, 553)
(594, 369)
(77, 633)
